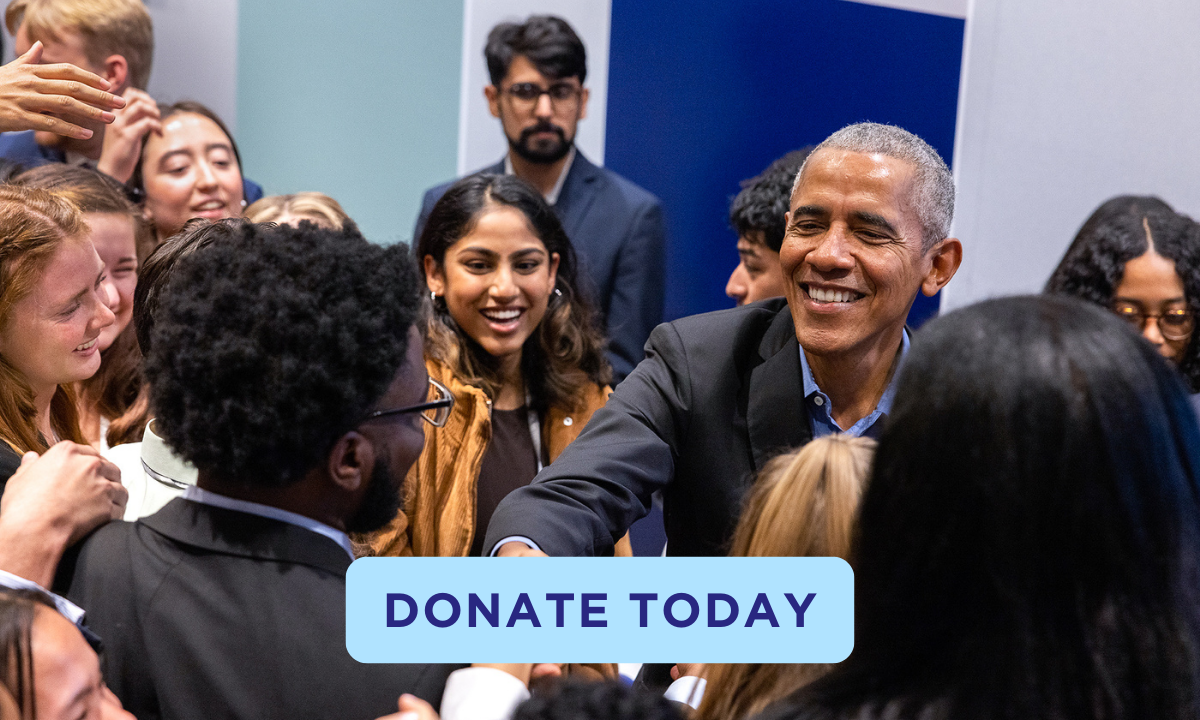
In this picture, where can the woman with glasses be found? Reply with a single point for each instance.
(513, 343)
(1141, 259)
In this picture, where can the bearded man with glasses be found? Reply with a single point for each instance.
(538, 69)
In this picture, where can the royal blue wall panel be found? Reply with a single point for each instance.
(705, 93)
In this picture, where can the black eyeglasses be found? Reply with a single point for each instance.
(561, 94)
(1173, 323)
(435, 412)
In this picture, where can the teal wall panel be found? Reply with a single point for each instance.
(357, 99)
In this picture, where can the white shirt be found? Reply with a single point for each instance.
(212, 499)
(151, 473)
(552, 196)
(70, 610)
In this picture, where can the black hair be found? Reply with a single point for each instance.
(1094, 264)
(567, 350)
(549, 43)
(156, 271)
(270, 344)
(766, 198)
(1029, 537)
(17, 610)
(589, 700)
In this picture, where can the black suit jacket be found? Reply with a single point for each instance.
(618, 233)
(212, 613)
(716, 397)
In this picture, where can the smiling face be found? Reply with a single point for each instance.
(1152, 287)
(189, 171)
(51, 335)
(112, 235)
(853, 254)
(758, 275)
(496, 281)
(66, 672)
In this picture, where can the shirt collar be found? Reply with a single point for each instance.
(69, 610)
(884, 406)
(552, 196)
(163, 465)
(207, 497)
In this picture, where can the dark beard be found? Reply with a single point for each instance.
(545, 155)
(380, 503)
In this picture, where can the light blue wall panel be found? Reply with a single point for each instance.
(356, 99)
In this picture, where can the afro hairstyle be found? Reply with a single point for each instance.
(585, 700)
(765, 199)
(271, 344)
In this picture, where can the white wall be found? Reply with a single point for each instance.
(195, 54)
(480, 140)
(1063, 105)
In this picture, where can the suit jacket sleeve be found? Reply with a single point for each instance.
(587, 498)
(636, 305)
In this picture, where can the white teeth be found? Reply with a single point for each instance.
(87, 345)
(502, 315)
(210, 205)
(831, 296)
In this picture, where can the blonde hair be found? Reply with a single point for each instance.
(108, 27)
(34, 224)
(804, 504)
(318, 207)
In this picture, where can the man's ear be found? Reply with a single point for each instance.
(116, 72)
(945, 258)
(492, 93)
(583, 99)
(351, 461)
(435, 277)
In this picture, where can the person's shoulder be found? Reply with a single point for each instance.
(718, 325)
(614, 182)
(435, 193)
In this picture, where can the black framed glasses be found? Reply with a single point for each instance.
(435, 412)
(1174, 323)
(562, 95)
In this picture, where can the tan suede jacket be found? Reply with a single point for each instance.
(438, 519)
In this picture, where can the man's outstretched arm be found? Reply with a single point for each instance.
(587, 499)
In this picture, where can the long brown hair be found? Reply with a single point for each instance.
(804, 504)
(567, 351)
(34, 224)
(116, 386)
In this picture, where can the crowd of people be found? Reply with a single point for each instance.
(212, 402)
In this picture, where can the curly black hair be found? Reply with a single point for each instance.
(582, 700)
(1113, 235)
(272, 343)
(765, 199)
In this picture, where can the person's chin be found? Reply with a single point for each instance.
(48, 139)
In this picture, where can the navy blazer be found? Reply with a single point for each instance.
(619, 235)
(214, 613)
(717, 396)
(22, 149)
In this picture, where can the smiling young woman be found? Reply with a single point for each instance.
(53, 309)
(191, 169)
(516, 345)
(112, 408)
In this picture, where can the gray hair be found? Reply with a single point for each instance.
(933, 193)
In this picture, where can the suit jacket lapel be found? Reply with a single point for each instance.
(577, 194)
(231, 532)
(775, 414)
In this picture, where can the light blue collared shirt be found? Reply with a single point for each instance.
(820, 407)
(69, 610)
(207, 497)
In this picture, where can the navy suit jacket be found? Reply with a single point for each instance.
(619, 236)
(22, 149)
(214, 613)
(717, 396)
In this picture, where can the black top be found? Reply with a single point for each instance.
(509, 462)
(10, 460)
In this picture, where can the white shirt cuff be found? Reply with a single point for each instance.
(513, 538)
(482, 693)
(688, 690)
(69, 610)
